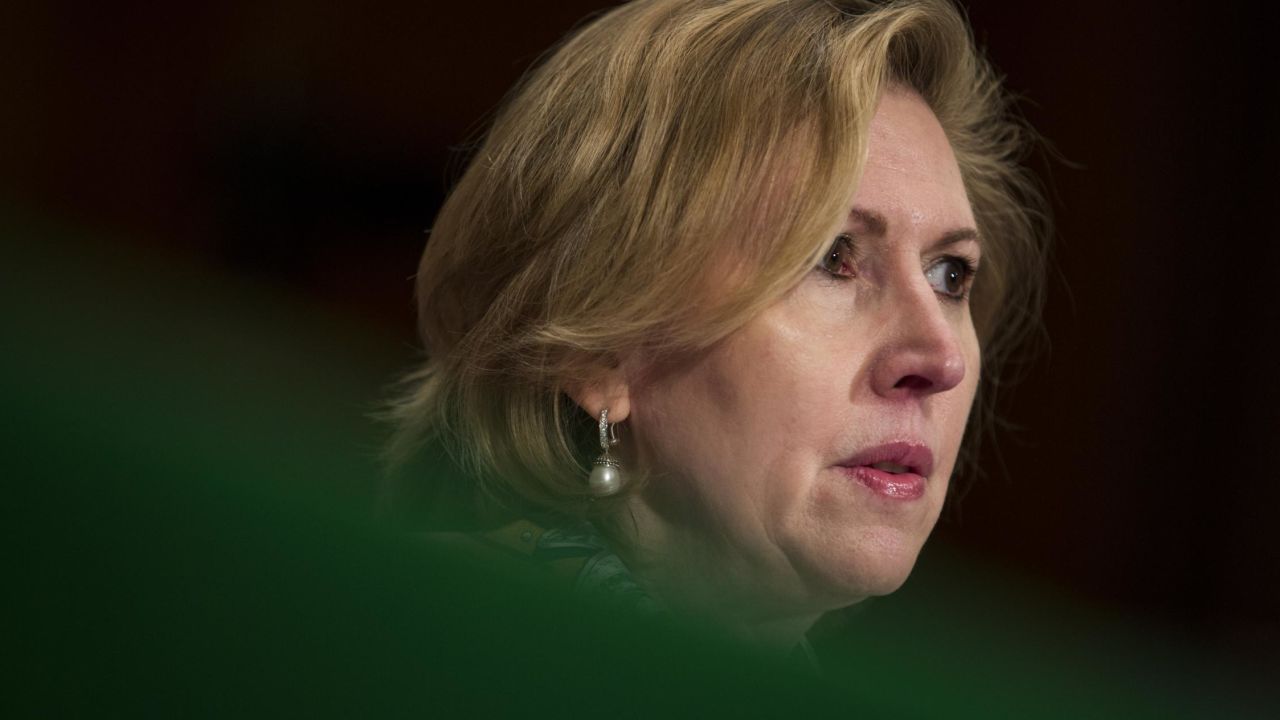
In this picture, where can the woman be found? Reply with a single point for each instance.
(722, 282)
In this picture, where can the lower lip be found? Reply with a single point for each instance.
(894, 486)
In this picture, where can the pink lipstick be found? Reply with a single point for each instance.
(897, 470)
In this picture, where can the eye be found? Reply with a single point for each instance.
(951, 277)
(839, 260)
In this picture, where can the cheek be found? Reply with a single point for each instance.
(738, 422)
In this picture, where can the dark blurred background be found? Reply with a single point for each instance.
(244, 189)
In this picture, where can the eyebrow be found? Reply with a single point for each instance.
(877, 226)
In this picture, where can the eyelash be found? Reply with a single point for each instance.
(841, 239)
(968, 268)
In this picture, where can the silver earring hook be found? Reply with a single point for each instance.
(608, 436)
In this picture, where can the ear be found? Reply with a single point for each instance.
(609, 389)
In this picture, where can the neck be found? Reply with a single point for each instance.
(709, 581)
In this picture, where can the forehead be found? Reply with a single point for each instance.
(910, 168)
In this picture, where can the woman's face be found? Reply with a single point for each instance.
(802, 462)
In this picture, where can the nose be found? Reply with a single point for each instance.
(921, 352)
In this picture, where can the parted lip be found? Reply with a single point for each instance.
(916, 457)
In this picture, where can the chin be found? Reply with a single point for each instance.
(877, 565)
(885, 580)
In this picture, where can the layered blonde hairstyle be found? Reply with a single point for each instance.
(668, 172)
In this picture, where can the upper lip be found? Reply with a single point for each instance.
(915, 456)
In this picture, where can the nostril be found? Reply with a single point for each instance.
(914, 382)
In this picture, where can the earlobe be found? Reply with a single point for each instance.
(607, 400)
(609, 391)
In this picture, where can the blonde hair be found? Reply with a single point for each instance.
(666, 146)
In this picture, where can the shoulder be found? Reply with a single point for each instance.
(573, 552)
(523, 542)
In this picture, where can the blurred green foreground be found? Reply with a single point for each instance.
(193, 533)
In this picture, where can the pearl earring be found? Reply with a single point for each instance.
(606, 475)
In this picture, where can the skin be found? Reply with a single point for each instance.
(748, 517)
